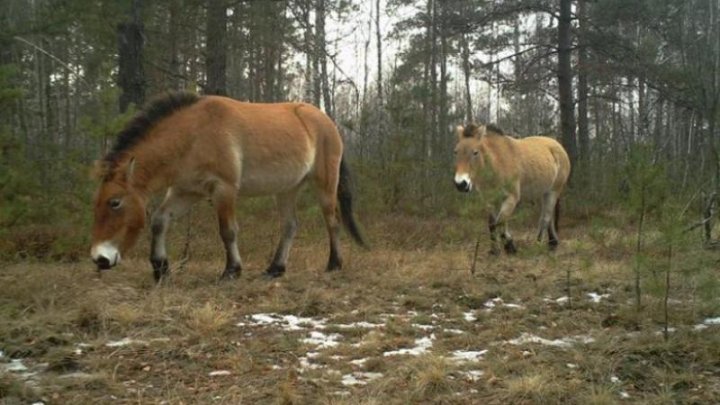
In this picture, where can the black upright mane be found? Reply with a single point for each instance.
(469, 130)
(494, 128)
(157, 109)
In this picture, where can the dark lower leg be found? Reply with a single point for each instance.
(158, 255)
(233, 265)
(334, 261)
(492, 226)
(508, 244)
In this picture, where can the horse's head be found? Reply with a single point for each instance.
(468, 155)
(119, 214)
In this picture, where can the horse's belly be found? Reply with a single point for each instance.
(272, 179)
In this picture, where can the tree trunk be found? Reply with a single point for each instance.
(216, 55)
(321, 49)
(583, 124)
(131, 76)
(378, 36)
(466, 73)
(309, 54)
(565, 76)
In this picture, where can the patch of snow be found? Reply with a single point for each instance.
(467, 355)
(473, 375)
(712, 321)
(218, 373)
(305, 364)
(422, 327)
(123, 342)
(15, 365)
(670, 330)
(359, 362)
(322, 340)
(286, 322)
(700, 326)
(572, 365)
(469, 316)
(564, 342)
(78, 375)
(491, 303)
(624, 395)
(421, 346)
(454, 331)
(361, 324)
(498, 302)
(614, 379)
(359, 378)
(596, 298)
(561, 300)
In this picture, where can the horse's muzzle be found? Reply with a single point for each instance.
(463, 186)
(103, 263)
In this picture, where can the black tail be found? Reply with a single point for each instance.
(344, 195)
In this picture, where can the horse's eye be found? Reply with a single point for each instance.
(476, 152)
(115, 203)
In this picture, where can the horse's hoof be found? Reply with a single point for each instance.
(510, 247)
(230, 274)
(331, 269)
(553, 244)
(274, 271)
(494, 251)
(161, 269)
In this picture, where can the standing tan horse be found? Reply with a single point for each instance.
(533, 168)
(198, 147)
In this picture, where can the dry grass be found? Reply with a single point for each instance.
(193, 340)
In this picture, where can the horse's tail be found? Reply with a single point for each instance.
(345, 200)
(557, 216)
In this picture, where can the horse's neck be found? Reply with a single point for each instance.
(154, 170)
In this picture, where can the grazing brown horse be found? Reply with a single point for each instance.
(198, 147)
(532, 168)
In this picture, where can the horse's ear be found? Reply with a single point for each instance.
(460, 130)
(480, 131)
(130, 170)
(100, 170)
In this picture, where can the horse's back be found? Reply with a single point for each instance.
(268, 148)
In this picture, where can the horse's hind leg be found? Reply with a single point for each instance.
(327, 185)
(286, 208)
(224, 199)
(546, 219)
(174, 204)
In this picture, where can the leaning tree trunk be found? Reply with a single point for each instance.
(567, 106)
(131, 76)
(216, 59)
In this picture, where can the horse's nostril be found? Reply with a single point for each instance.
(463, 186)
(102, 262)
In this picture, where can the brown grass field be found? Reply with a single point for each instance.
(404, 322)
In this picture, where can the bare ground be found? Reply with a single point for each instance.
(405, 322)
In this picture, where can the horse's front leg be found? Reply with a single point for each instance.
(506, 210)
(174, 205)
(224, 199)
